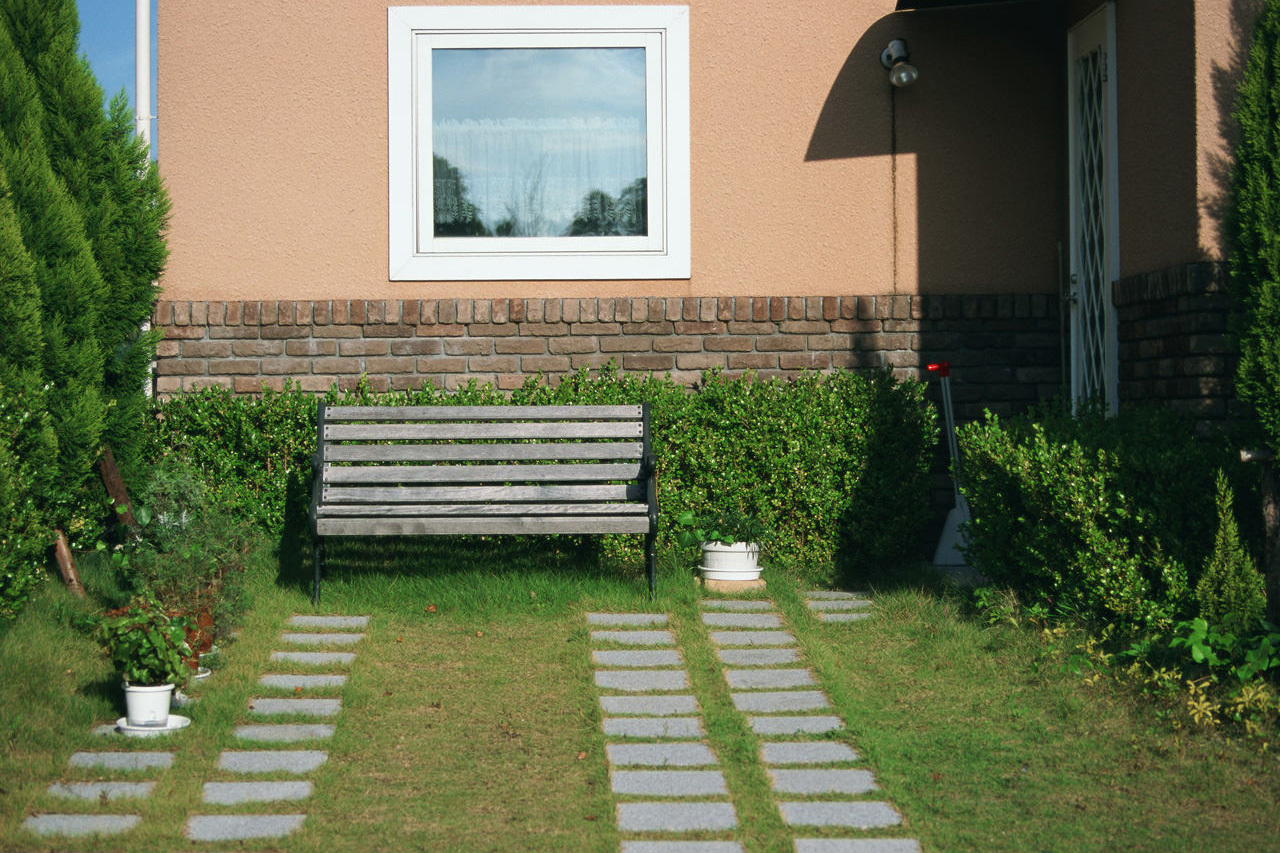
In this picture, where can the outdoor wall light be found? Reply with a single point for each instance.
(897, 62)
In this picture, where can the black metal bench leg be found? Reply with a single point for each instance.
(317, 557)
(651, 562)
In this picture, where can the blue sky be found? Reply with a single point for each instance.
(107, 39)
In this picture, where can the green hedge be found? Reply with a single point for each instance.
(837, 465)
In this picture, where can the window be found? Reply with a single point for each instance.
(538, 142)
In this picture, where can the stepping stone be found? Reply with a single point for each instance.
(307, 707)
(315, 658)
(650, 706)
(620, 619)
(654, 727)
(80, 824)
(329, 622)
(752, 638)
(676, 817)
(305, 682)
(840, 604)
(635, 638)
(735, 604)
(682, 847)
(236, 827)
(857, 845)
(669, 783)
(638, 680)
(855, 815)
(272, 760)
(628, 657)
(833, 595)
(806, 752)
(234, 793)
(794, 725)
(781, 700)
(284, 733)
(96, 791)
(742, 620)
(122, 760)
(844, 617)
(823, 781)
(758, 657)
(321, 639)
(754, 679)
(659, 754)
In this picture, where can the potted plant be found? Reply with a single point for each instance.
(149, 649)
(731, 542)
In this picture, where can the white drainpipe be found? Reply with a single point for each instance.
(142, 70)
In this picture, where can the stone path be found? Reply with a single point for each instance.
(665, 776)
(268, 749)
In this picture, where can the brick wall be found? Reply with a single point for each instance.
(1004, 348)
(1174, 345)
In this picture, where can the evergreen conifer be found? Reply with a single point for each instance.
(1230, 589)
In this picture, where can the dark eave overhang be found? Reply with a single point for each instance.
(922, 5)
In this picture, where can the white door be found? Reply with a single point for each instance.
(1094, 222)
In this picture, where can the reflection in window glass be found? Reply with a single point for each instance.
(539, 142)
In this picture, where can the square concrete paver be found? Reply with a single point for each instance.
(302, 682)
(676, 817)
(840, 604)
(780, 701)
(272, 760)
(758, 657)
(239, 827)
(742, 620)
(234, 793)
(855, 815)
(322, 639)
(682, 847)
(330, 622)
(794, 725)
(806, 752)
(768, 679)
(637, 657)
(823, 781)
(857, 845)
(642, 680)
(736, 604)
(654, 727)
(97, 791)
(753, 638)
(304, 707)
(80, 824)
(635, 638)
(316, 658)
(285, 733)
(122, 760)
(675, 754)
(844, 617)
(631, 619)
(669, 783)
(650, 706)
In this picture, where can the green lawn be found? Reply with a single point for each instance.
(475, 726)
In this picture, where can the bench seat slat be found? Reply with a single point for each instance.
(462, 431)
(405, 474)
(482, 413)
(480, 494)
(486, 510)
(481, 452)
(459, 526)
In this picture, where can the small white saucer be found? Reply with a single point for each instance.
(176, 722)
(201, 674)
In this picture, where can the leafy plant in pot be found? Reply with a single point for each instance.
(731, 543)
(149, 649)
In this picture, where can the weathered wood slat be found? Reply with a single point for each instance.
(478, 494)
(406, 474)
(432, 510)
(464, 432)
(482, 452)
(466, 526)
(482, 413)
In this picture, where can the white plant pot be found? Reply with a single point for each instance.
(736, 562)
(147, 706)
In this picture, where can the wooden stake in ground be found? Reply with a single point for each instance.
(67, 565)
(116, 489)
(1271, 529)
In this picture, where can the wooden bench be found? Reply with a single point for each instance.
(450, 470)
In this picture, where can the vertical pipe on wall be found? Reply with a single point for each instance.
(142, 69)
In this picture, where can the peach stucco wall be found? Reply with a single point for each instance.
(273, 141)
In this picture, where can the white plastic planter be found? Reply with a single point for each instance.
(736, 562)
(147, 706)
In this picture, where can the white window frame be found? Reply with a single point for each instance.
(416, 254)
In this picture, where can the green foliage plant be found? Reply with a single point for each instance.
(25, 536)
(147, 646)
(1230, 591)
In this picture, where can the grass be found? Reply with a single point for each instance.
(471, 722)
